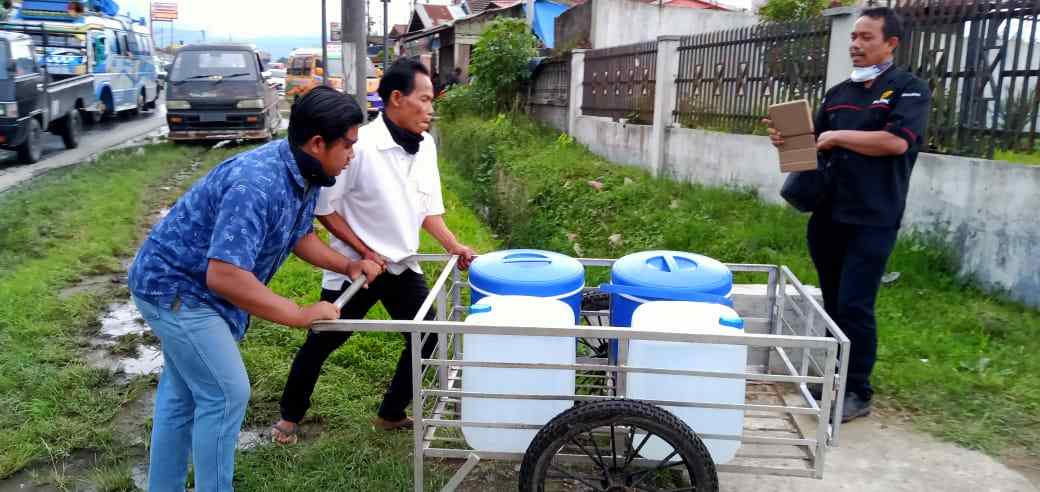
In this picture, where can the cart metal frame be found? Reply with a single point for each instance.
(786, 432)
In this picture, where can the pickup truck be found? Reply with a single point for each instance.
(32, 102)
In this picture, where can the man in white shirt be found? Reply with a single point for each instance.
(375, 211)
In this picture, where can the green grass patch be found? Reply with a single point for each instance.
(962, 362)
(62, 227)
(1027, 158)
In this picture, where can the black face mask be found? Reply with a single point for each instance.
(310, 168)
(407, 140)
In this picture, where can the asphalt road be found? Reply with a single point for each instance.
(96, 138)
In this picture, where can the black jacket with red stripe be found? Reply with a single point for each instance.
(867, 190)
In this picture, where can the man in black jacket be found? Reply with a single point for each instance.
(869, 129)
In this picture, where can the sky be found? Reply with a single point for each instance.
(262, 18)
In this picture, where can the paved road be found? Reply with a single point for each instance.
(96, 138)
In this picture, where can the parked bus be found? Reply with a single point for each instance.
(116, 49)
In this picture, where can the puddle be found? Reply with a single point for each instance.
(139, 474)
(90, 285)
(249, 439)
(121, 320)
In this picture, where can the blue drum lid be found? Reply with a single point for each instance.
(526, 272)
(672, 274)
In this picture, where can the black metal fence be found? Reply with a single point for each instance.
(619, 82)
(727, 79)
(551, 83)
(982, 63)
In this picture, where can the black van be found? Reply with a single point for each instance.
(218, 92)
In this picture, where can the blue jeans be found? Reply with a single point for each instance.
(201, 400)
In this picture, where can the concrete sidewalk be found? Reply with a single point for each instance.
(877, 456)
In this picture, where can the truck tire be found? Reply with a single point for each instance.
(30, 151)
(71, 129)
(615, 471)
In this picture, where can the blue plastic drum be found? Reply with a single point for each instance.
(528, 272)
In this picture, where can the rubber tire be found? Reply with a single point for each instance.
(109, 102)
(31, 150)
(140, 105)
(578, 419)
(90, 117)
(72, 129)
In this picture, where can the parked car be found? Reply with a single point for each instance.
(218, 92)
(31, 102)
(277, 79)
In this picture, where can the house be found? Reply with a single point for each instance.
(606, 23)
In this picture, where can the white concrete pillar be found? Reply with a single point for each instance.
(577, 91)
(665, 95)
(839, 65)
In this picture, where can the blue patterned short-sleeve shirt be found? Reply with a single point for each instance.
(249, 211)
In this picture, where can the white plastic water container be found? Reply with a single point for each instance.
(690, 317)
(515, 311)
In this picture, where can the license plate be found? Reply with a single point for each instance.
(210, 117)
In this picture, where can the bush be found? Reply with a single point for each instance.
(499, 63)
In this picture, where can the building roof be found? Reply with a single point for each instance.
(426, 16)
(398, 30)
(690, 4)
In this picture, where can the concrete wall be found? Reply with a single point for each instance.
(985, 210)
(620, 143)
(553, 116)
(619, 22)
(574, 27)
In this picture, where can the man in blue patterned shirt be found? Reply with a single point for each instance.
(205, 267)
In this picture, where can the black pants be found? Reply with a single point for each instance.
(850, 260)
(401, 295)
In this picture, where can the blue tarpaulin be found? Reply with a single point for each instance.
(545, 14)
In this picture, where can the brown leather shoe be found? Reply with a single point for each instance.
(387, 425)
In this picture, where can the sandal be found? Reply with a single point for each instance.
(285, 437)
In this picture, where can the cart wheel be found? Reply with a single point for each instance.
(611, 433)
(595, 300)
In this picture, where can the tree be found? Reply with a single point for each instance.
(499, 63)
(789, 10)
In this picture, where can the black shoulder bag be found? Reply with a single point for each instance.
(808, 191)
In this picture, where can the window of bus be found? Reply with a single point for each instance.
(301, 65)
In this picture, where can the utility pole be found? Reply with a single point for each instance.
(324, 46)
(386, 36)
(355, 51)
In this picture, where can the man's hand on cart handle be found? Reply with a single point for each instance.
(465, 254)
(365, 269)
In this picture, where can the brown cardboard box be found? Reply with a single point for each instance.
(794, 121)
(798, 160)
(792, 118)
(798, 142)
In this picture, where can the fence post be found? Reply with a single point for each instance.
(664, 98)
(577, 78)
(839, 65)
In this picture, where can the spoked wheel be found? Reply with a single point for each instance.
(601, 447)
(596, 301)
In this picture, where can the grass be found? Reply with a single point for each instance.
(1027, 158)
(961, 362)
(68, 225)
(82, 222)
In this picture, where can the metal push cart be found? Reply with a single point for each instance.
(791, 342)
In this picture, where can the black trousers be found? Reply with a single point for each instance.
(401, 295)
(850, 260)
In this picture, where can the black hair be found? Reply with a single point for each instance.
(400, 77)
(893, 22)
(323, 111)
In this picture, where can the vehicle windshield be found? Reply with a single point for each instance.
(191, 65)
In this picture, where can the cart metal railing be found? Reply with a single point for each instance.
(792, 343)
